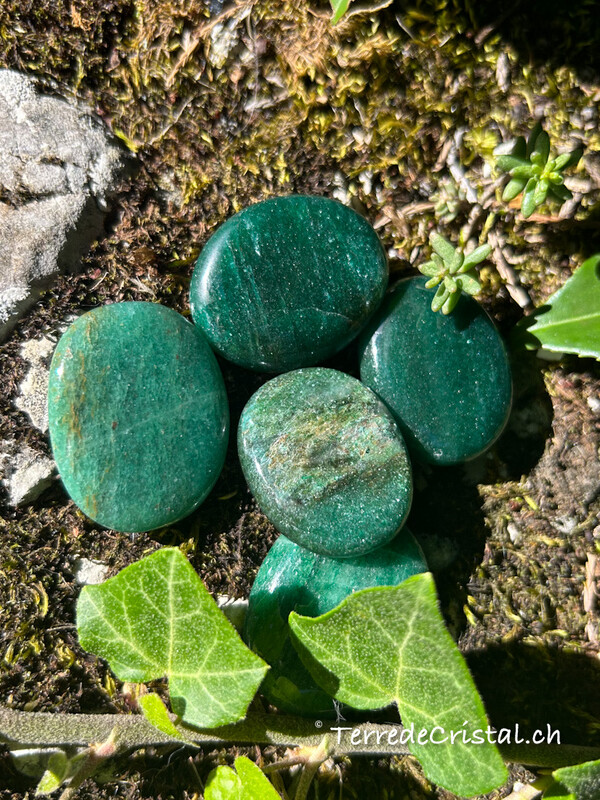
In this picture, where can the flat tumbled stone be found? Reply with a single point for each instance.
(446, 379)
(325, 461)
(292, 578)
(288, 282)
(138, 415)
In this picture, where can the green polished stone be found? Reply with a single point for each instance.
(292, 578)
(138, 415)
(446, 379)
(288, 282)
(325, 461)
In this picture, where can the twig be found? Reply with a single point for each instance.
(508, 274)
(201, 32)
(367, 9)
(22, 729)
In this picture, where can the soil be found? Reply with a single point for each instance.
(397, 112)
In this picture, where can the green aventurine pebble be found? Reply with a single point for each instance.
(288, 282)
(138, 415)
(292, 578)
(446, 379)
(326, 462)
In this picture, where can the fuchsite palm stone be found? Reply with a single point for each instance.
(288, 282)
(292, 578)
(138, 415)
(326, 462)
(446, 379)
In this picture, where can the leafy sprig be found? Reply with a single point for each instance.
(452, 272)
(534, 173)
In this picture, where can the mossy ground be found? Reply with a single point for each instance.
(397, 112)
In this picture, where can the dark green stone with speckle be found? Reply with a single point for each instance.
(292, 578)
(288, 282)
(446, 379)
(138, 415)
(326, 462)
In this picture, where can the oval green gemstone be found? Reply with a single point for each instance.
(288, 282)
(292, 578)
(446, 379)
(325, 461)
(138, 415)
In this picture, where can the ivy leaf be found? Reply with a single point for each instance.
(581, 781)
(569, 321)
(249, 783)
(155, 619)
(390, 644)
(339, 9)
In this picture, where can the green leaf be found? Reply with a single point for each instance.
(433, 282)
(155, 619)
(568, 159)
(522, 172)
(528, 202)
(541, 151)
(390, 644)
(156, 713)
(510, 162)
(475, 257)
(339, 9)
(254, 781)
(469, 284)
(540, 192)
(445, 250)
(513, 188)
(450, 303)
(429, 268)
(532, 138)
(519, 149)
(250, 783)
(439, 298)
(556, 791)
(450, 284)
(55, 774)
(583, 780)
(569, 321)
(223, 784)
(559, 192)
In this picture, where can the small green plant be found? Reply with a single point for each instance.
(534, 173)
(452, 271)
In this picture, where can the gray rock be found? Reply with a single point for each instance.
(25, 473)
(33, 389)
(58, 168)
(88, 572)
